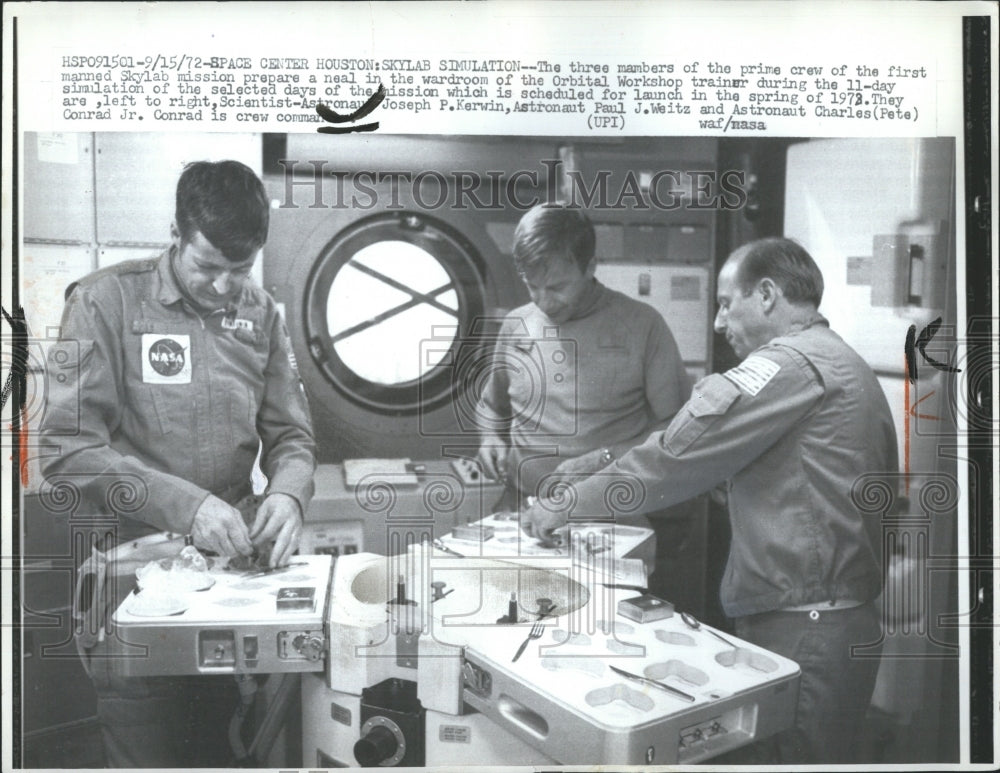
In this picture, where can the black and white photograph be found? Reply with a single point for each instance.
(406, 406)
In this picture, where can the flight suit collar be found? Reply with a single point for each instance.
(169, 291)
(817, 320)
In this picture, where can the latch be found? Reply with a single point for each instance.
(477, 680)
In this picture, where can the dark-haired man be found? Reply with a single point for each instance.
(581, 373)
(791, 428)
(180, 371)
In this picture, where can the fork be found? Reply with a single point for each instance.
(535, 633)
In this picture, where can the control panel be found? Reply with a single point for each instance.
(245, 622)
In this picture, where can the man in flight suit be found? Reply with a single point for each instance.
(580, 374)
(180, 370)
(611, 368)
(791, 429)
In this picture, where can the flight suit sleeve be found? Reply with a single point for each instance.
(730, 420)
(668, 385)
(288, 456)
(84, 404)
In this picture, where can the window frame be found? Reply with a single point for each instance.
(460, 261)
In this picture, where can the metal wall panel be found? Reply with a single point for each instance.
(679, 293)
(59, 187)
(46, 272)
(137, 177)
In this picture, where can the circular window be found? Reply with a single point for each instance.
(386, 308)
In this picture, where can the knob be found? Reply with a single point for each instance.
(378, 745)
(314, 648)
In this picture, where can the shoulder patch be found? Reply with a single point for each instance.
(753, 373)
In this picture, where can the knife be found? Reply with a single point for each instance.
(652, 682)
(439, 544)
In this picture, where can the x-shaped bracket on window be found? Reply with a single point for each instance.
(416, 298)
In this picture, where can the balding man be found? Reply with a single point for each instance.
(791, 429)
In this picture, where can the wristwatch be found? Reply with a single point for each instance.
(606, 456)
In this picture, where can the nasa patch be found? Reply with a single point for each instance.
(166, 358)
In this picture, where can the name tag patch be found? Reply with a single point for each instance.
(237, 324)
(753, 373)
(166, 358)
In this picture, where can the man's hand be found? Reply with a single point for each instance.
(492, 457)
(220, 527)
(279, 518)
(543, 518)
